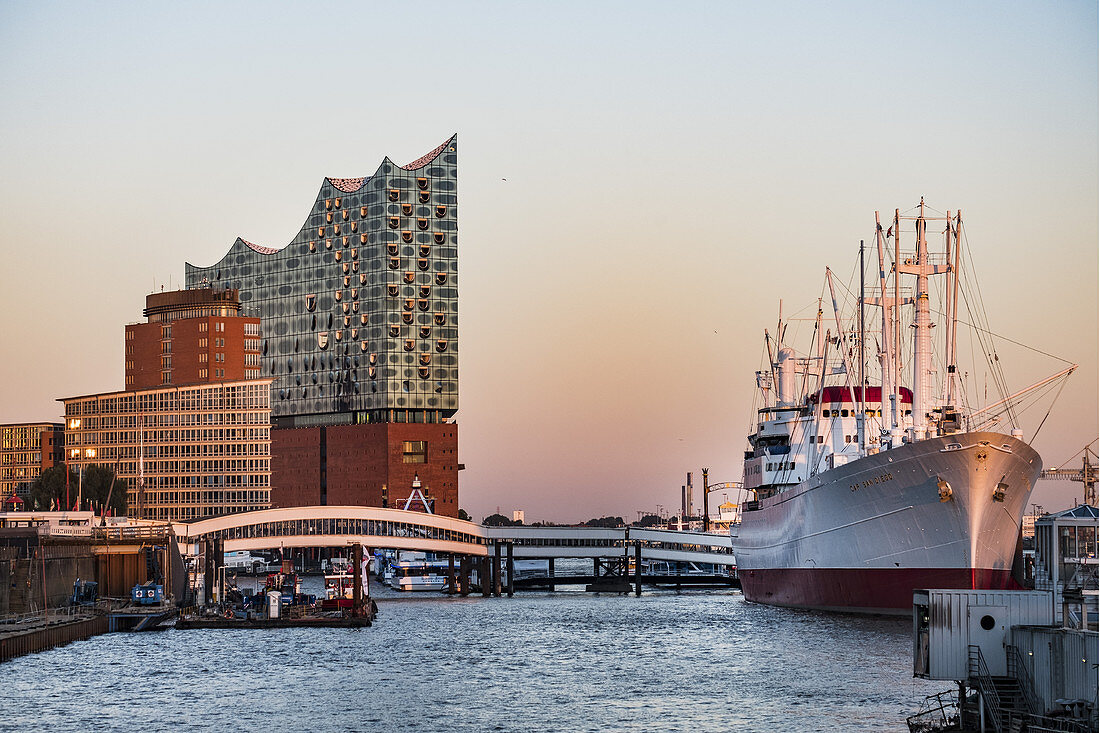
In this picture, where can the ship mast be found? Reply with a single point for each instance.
(922, 332)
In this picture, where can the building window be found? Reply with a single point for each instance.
(415, 451)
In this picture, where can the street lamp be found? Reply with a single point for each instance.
(89, 453)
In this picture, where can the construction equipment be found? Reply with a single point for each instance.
(1086, 474)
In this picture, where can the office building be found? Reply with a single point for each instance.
(26, 450)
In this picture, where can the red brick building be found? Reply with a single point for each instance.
(366, 465)
(192, 337)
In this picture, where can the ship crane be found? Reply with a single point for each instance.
(1086, 475)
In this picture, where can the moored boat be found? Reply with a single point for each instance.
(863, 493)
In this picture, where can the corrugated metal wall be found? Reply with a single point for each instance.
(1063, 663)
(949, 630)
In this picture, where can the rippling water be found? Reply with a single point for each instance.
(567, 661)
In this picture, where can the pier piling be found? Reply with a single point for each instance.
(496, 569)
(637, 569)
(511, 569)
(550, 572)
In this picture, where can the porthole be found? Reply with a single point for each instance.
(422, 183)
(440, 278)
(421, 224)
(440, 211)
(988, 622)
(439, 237)
(424, 196)
(394, 194)
(407, 209)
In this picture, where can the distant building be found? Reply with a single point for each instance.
(360, 320)
(1027, 527)
(26, 450)
(517, 516)
(192, 336)
(185, 452)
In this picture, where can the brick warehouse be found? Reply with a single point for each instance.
(360, 337)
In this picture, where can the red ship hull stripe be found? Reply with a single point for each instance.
(868, 589)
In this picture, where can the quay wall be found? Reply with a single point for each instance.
(56, 567)
(50, 636)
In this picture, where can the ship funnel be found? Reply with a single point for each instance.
(785, 364)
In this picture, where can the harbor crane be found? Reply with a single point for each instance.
(1086, 475)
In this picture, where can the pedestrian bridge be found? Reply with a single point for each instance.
(340, 526)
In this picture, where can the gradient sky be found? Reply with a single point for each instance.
(673, 170)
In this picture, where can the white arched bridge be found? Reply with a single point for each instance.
(340, 526)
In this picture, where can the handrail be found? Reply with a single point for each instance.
(979, 672)
(1018, 669)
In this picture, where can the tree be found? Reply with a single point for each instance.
(498, 520)
(49, 489)
(649, 520)
(463, 515)
(606, 522)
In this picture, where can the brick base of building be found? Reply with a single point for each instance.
(365, 465)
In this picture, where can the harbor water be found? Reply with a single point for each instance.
(567, 661)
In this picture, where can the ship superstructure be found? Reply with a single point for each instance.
(865, 491)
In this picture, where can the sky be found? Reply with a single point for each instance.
(640, 184)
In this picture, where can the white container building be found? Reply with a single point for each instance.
(947, 622)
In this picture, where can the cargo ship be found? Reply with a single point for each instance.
(862, 493)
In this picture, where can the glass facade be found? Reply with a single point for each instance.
(360, 309)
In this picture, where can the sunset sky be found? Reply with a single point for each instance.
(640, 184)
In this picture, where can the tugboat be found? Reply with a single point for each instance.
(864, 492)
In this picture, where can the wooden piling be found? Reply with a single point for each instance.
(483, 577)
(496, 569)
(637, 568)
(464, 575)
(357, 580)
(451, 583)
(511, 569)
(550, 572)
